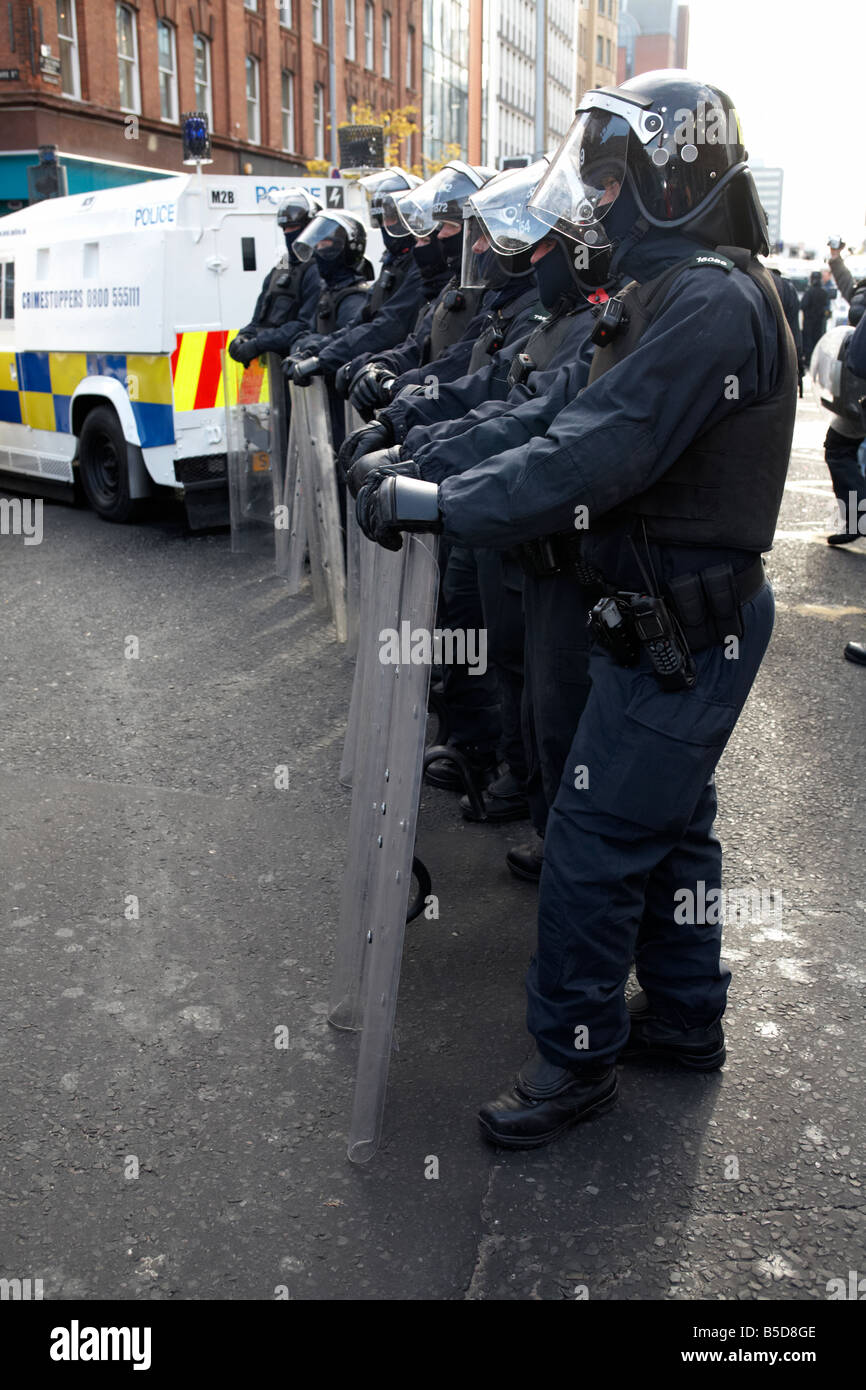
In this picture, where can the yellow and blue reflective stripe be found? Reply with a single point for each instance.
(36, 388)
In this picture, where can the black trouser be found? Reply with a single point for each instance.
(556, 680)
(841, 455)
(472, 700)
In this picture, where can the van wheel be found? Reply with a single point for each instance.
(102, 466)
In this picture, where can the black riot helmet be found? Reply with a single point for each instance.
(499, 231)
(441, 197)
(297, 209)
(334, 238)
(381, 189)
(677, 145)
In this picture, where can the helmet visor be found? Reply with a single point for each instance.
(502, 210)
(385, 214)
(439, 199)
(323, 237)
(484, 265)
(585, 178)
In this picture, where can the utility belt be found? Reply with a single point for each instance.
(698, 610)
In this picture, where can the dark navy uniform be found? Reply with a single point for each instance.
(389, 313)
(634, 812)
(549, 604)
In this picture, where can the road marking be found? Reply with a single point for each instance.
(832, 612)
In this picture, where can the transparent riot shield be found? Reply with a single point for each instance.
(386, 792)
(292, 535)
(256, 430)
(353, 552)
(374, 596)
(318, 487)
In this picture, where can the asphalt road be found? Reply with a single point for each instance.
(156, 1144)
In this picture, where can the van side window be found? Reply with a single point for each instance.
(7, 290)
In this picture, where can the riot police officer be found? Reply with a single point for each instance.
(447, 328)
(671, 464)
(395, 297)
(468, 421)
(337, 242)
(286, 306)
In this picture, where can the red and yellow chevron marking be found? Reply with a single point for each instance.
(196, 369)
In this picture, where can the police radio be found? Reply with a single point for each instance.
(611, 320)
(453, 301)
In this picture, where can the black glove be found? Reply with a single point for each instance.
(388, 459)
(377, 435)
(388, 504)
(369, 390)
(305, 371)
(243, 349)
(292, 366)
(343, 380)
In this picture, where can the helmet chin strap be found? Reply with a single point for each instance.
(636, 234)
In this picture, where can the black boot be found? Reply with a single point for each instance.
(504, 800)
(843, 537)
(856, 652)
(525, 861)
(698, 1049)
(482, 764)
(544, 1101)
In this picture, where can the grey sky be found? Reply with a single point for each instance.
(796, 74)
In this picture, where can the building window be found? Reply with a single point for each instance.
(319, 121)
(201, 53)
(167, 72)
(410, 50)
(607, 41)
(251, 4)
(369, 20)
(7, 290)
(127, 60)
(288, 109)
(285, 8)
(318, 22)
(254, 126)
(599, 48)
(70, 83)
(350, 30)
(386, 45)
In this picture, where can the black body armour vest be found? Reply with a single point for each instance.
(725, 489)
(543, 343)
(330, 301)
(455, 309)
(283, 289)
(385, 284)
(495, 333)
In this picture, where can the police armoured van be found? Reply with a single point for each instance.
(115, 310)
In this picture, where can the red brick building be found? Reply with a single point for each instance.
(107, 81)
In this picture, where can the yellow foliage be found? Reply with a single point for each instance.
(432, 166)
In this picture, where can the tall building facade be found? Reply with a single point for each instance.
(528, 76)
(769, 185)
(596, 44)
(106, 82)
(652, 34)
(445, 78)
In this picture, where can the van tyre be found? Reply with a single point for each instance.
(102, 466)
